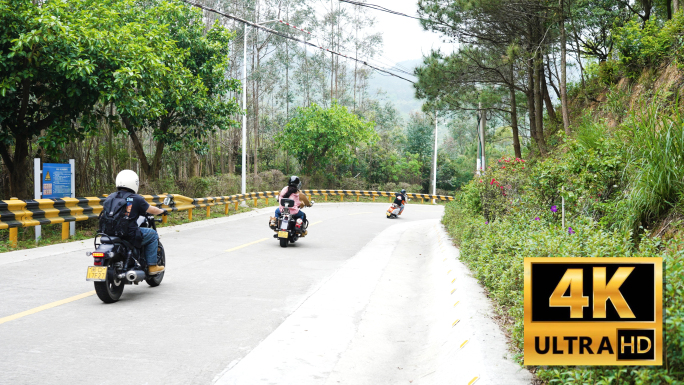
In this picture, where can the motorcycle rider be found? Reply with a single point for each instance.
(292, 191)
(400, 200)
(127, 181)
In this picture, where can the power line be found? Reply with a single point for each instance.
(383, 9)
(283, 35)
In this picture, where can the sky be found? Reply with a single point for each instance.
(404, 38)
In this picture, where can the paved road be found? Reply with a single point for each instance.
(358, 301)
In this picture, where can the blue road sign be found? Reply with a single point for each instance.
(56, 180)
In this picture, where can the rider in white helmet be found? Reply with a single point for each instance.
(128, 181)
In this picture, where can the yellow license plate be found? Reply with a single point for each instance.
(283, 234)
(96, 273)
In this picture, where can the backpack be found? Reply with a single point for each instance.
(113, 219)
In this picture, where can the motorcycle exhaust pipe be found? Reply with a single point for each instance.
(135, 275)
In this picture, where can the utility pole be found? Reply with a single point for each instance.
(244, 117)
(244, 107)
(483, 124)
(434, 163)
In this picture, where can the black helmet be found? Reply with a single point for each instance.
(403, 191)
(295, 182)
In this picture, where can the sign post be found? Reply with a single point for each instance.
(58, 181)
(72, 163)
(37, 190)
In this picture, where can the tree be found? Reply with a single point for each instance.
(192, 92)
(57, 60)
(318, 136)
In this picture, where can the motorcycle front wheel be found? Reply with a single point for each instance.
(155, 280)
(109, 291)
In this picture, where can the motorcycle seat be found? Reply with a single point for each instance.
(110, 240)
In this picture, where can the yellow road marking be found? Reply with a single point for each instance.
(444, 260)
(45, 307)
(365, 212)
(448, 271)
(452, 291)
(473, 380)
(246, 244)
(315, 223)
(456, 303)
(455, 322)
(463, 344)
(452, 281)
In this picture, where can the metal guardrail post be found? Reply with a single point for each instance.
(13, 233)
(255, 202)
(190, 214)
(208, 211)
(236, 205)
(65, 231)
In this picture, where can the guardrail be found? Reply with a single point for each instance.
(15, 213)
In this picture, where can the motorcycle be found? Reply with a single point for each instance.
(117, 263)
(288, 229)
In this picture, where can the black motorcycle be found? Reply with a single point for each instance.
(287, 228)
(118, 263)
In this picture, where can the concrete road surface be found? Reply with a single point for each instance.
(360, 300)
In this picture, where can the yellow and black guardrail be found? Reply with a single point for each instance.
(15, 213)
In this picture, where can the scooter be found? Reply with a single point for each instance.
(393, 211)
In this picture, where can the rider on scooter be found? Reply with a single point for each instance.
(400, 200)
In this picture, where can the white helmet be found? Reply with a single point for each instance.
(128, 179)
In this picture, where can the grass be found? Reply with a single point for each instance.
(52, 234)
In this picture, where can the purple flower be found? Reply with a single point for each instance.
(554, 208)
(536, 218)
(571, 231)
(486, 223)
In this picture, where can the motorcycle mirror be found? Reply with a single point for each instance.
(168, 201)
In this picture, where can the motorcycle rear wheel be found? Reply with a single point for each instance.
(155, 280)
(283, 242)
(109, 291)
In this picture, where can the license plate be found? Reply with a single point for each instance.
(283, 234)
(96, 273)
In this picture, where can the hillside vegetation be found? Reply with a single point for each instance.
(621, 175)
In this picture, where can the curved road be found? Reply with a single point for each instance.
(360, 300)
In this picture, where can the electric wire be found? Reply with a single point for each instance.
(286, 36)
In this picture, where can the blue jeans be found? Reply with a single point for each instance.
(300, 214)
(402, 209)
(149, 243)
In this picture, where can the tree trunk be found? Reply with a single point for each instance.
(16, 167)
(538, 103)
(547, 100)
(675, 6)
(563, 82)
(514, 117)
(150, 170)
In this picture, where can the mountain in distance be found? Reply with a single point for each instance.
(400, 92)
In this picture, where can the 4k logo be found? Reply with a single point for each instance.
(593, 311)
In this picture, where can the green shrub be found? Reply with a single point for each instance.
(646, 46)
(494, 251)
(656, 140)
